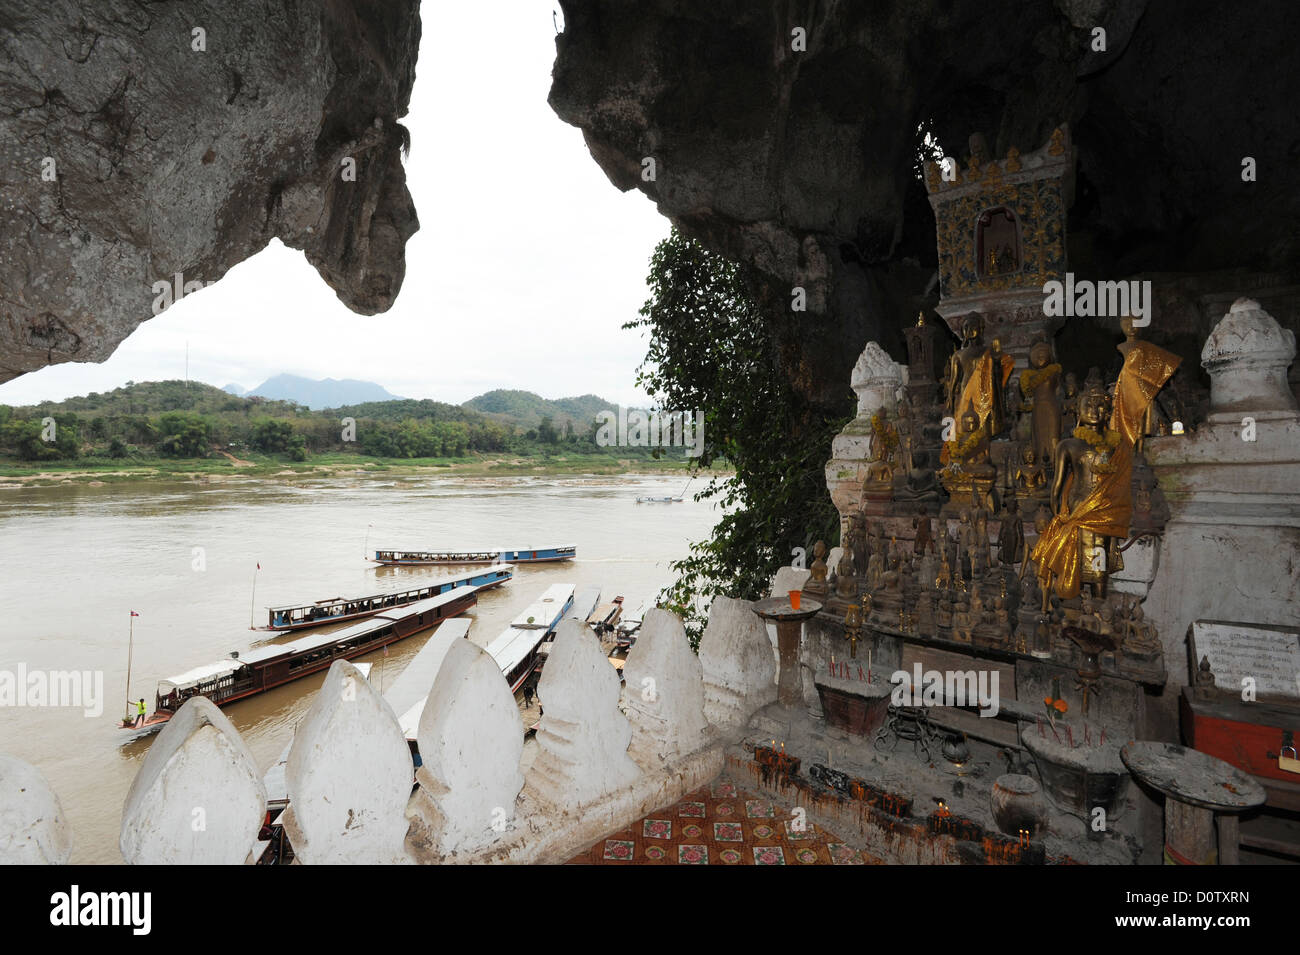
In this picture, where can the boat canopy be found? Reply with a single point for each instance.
(585, 600)
(314, 642)
(546, 612)
(513, 646)
(201, 674)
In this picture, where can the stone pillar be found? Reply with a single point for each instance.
(663, 694)
(349, 776)
(198, 798)
(33, 829)
(1231, 549)
(738, 662)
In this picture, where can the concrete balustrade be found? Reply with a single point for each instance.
(607, 755)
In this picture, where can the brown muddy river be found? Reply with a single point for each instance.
(77, 559)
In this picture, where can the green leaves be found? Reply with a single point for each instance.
(712, 348)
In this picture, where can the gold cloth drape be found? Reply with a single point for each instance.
(1108, 509)
(979, 391)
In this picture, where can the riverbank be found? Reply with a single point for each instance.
(97, 472)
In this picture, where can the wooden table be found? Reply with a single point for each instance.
(1196, 786)
(789, 631)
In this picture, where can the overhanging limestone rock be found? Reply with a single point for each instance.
(129, 156)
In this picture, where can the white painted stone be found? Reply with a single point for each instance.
(1247, 356)
(664, 693)
(877, 379)
(471, 741)
(33, 829)
(739, 668)
(789, 578)
(583, 737)
(349, 776)
(198, 798)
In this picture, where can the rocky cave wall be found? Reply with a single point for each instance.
(133, 148)
(803, 164)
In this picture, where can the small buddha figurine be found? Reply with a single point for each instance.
(1141, 640)
(1070, 403)
(1205, 688)
(875, 571)
(1002, 619)
(944, 580)
(1031, 480)
(845, 585)
(1011, 537)
(817, 572)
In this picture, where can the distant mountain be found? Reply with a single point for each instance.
(328, 393)
(233, 389)
(526, 410)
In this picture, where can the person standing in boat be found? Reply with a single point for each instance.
(139, 712)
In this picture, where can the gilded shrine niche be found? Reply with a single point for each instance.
(997, 243)
(1000, 231)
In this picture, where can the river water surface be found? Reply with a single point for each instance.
(76, 559)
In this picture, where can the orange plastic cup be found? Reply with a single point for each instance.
(794, 599)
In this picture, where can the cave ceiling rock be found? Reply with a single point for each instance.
(178, 153)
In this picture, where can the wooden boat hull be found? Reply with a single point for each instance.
(279, 672)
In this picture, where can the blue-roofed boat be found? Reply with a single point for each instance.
(525, 555)
(338, 609)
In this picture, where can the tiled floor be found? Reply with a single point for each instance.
(723, 825)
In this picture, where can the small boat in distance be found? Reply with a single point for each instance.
(666, 500)
(337, 609)
(263, 668)
(526, 555)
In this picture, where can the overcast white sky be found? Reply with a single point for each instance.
(526, 264)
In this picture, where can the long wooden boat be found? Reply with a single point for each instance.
(338, 609)
(524, 555)
(263, 668)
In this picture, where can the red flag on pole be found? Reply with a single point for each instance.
(134, 614)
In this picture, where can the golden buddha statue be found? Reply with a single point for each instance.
(976, 378)
(1038, 386)
(1092, 489)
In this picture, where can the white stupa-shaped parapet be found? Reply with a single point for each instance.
(583, 736)
(471, 740)
(198, 799)
(348, 775)
(739, 667)
(33, 830)
(877, 379)
(1247, 356)
(664, 693)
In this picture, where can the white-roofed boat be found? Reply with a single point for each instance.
(263, 668)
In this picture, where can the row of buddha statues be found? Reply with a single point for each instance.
(1066, 456)
(964, 586)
